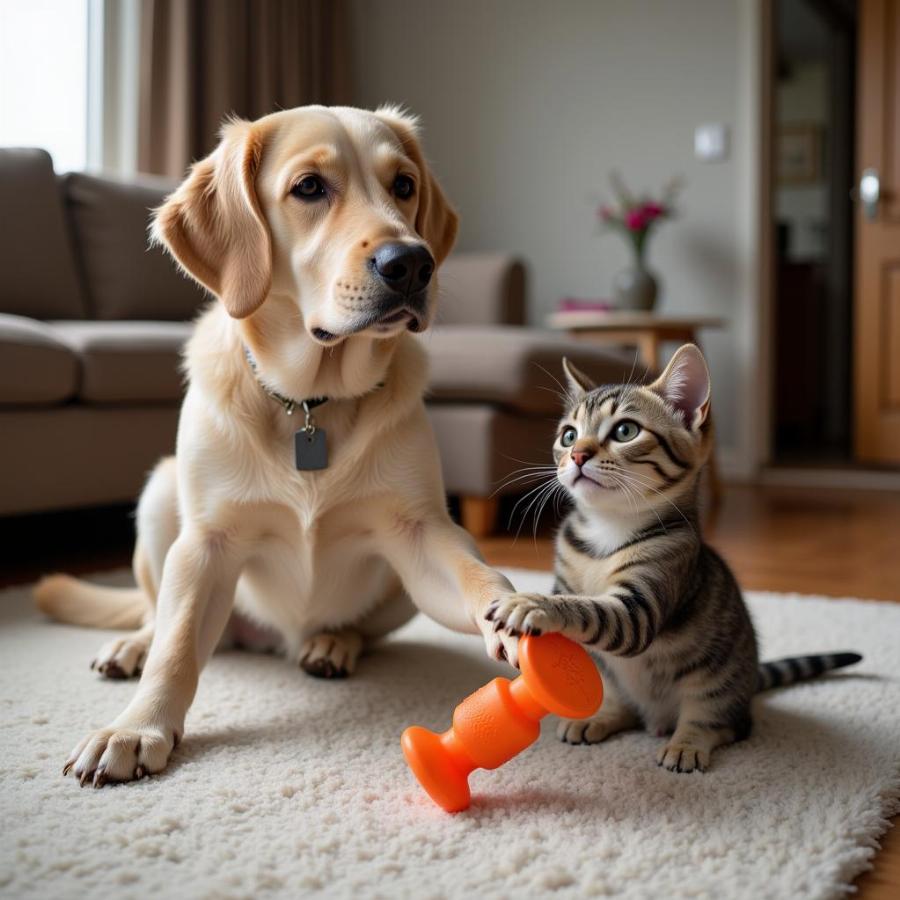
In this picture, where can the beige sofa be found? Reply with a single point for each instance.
(92, 323)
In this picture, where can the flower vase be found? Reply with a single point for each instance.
(635, 288)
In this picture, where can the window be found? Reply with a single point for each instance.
(44, 78)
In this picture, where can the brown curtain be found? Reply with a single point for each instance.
(202, 60)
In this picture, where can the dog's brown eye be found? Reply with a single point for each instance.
(404, 187)
(310, 187)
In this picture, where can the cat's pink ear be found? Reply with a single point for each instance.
(685, 385)
(579, 383)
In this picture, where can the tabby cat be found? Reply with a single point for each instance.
(634, 580)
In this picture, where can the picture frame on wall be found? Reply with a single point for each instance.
(799, 154)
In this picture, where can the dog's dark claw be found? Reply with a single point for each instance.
(113, 671)
(489, 615)
(68, 766)
(323, 668)
(99, 778)
(139, 773)
(82, 781)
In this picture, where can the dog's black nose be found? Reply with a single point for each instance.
(404, 268)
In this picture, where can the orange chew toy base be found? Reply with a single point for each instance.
(501, 719)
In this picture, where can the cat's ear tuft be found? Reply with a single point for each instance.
(579, 383)
(685, 385)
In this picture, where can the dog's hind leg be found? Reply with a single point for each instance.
(157, 527)
(331, 654)
(123, 657)
(334, 654)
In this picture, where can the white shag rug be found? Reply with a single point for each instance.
(286, 786)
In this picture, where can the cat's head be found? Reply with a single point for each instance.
(624, 446)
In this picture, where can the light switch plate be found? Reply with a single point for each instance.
(711, 143)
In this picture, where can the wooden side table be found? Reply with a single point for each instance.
(646, 332)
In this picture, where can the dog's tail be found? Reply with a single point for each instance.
(781, 672)
(77, 602)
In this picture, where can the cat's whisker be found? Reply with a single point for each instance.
(523, 498)
(645, 483)
(566, 395)
(543, 505)
(515, 478)
(539, 493)
(524, 462)
(623, 475)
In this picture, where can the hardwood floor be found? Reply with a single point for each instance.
(837, 543)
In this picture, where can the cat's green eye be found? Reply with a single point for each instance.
(568, 437)
(626, 431)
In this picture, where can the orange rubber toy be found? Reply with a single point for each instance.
(501, 719)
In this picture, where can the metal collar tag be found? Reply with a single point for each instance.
(310, 444)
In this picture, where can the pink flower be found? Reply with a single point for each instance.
(635, 220)
(653, 210)
(606, 213)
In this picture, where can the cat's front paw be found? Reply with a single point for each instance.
(519, 614)
(683, 756)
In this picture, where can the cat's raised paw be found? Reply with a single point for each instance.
(519, 614)
(683, 757)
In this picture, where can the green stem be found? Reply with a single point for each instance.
(638, 241)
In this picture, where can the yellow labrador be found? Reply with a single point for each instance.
(319, 230)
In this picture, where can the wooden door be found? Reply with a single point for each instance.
(877, 289)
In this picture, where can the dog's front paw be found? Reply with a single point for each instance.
(122, 753)
(499, 645)
(518, 614)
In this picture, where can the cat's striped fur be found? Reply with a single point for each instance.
(634, 581)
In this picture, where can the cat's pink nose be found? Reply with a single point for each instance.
(581, 456)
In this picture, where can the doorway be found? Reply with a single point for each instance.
(813, 112)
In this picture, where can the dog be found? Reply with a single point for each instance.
(305, 494)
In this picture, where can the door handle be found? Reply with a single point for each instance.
(869, 193)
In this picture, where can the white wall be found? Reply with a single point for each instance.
(527, 106)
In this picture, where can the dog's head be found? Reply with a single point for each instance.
(333, 207)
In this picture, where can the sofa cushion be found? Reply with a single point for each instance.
(126, 278)
(518, 368)
(127, 361)
(38, 274)
(36, 367)
(481, 289)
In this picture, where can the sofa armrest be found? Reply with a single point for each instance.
(482, 289)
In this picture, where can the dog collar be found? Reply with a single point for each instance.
(288, 403)
(310, 443)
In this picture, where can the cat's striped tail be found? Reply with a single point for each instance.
(781, 672)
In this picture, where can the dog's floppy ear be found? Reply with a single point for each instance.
(436, 220)
(213, 224)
